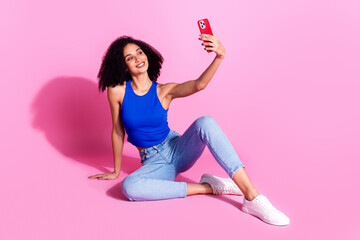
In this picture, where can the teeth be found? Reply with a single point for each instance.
(140, 65)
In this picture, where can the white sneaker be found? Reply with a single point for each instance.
(221, 185)
(263, 209)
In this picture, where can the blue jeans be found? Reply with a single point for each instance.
(176, 154)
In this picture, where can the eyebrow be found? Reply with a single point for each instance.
(130, 54)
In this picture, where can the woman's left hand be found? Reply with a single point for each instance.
(213, 44)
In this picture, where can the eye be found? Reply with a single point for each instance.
(130, 58)
(140, 52)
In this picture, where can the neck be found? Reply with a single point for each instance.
(141, 82)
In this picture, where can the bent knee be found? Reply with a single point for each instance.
(131, 188)
(206, 122)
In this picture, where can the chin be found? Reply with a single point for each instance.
(144, 70)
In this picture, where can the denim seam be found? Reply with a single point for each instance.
(164, 158)
(217, 156)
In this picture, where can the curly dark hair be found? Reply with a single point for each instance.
(113, 68)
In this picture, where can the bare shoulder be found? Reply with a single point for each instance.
(117, 93)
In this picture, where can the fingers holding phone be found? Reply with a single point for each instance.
(211, 42)
(204, 27)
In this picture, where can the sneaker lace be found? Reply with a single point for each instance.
(268, 207)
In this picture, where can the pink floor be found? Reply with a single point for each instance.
(49, 196)
(286, 95)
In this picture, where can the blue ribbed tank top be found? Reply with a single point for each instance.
(143, 117)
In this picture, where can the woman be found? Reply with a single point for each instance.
(139, 106)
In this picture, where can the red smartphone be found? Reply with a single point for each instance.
(204, 27)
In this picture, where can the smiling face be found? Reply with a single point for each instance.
(135, 59)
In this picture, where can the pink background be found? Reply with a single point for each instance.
(286, 95)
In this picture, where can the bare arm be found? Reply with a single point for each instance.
(117, 135)
(187, 88)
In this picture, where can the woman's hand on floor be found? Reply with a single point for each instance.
(105, 176)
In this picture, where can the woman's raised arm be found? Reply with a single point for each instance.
(213, 44)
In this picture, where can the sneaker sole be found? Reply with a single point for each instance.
(244, 209)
